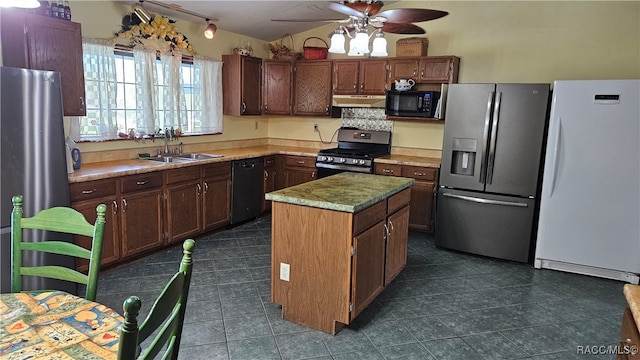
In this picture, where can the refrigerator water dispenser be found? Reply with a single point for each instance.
(464, 156)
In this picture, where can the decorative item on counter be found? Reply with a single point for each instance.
(404, 84)
(315, 52)
(159, 34)
(76, 157)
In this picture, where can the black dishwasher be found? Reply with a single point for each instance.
(247, 183)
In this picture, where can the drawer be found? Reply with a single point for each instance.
(181, 175)
(420, 173)
(141, 182)
(398, 201)
(92, 189)
(388, 169)
(217, 170)
(369, 216)
(629, 329)
(300, 161)
(269, 161)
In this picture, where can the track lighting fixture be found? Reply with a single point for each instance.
(211, 29)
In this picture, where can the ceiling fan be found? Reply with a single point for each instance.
(364, 13)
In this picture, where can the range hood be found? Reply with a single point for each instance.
(359, 101)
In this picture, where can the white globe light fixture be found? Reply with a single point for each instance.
(379, 45)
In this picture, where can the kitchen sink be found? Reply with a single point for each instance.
(165, 159)
(197, 156)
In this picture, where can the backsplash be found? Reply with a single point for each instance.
(366, 119)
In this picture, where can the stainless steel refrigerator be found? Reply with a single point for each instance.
(491, 161)
(33, 163)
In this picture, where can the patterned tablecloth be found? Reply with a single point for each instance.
(56, 325)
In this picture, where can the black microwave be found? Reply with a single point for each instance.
(412, 103)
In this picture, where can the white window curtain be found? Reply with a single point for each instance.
(100, 87)
(146, 84)
(208, 83)
(174, 105)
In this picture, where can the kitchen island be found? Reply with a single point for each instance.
(337, 242)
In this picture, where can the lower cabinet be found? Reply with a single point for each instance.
(344, 262)
(299, 169)
(270, 183)
(183, 203)
(421, 216)
(630, 337)
(216, 195)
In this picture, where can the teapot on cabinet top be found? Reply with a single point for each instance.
(404, 84)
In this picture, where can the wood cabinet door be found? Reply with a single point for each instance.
(111, 238)
(396, 259)
(216, 202)
(276, 87)
(251, 90)
(184, 210)
(142, 221)
(55, 44)
(368, 264)
(312, 88)
(421, 217)
(269, 180)
(402, 69)
(296, 176)
(345, 77)
(373, 77)
(439, 69)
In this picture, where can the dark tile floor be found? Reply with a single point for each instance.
(444, 305)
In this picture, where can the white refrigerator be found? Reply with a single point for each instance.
(589, 219)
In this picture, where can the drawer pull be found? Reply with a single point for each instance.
(115, 207)
(387, 171)
(124, 205)
(199, 189)
(419, 174)
(301, 162)
(144, 182)
(87, 192)
(206, 187)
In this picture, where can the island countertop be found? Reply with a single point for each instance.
(346, 192)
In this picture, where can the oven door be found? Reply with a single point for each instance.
(324, 170)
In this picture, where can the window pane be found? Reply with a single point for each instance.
(129, 70)
(120, 96)
(130, 96)
(119, 69)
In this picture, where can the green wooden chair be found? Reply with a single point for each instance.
(61, 220)
(166, 316)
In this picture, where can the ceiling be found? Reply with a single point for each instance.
(253, 18)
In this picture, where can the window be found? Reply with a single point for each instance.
(144, 94)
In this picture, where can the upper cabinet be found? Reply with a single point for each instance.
(276, 87)
(426, 69)
(241, 81)
(312, 87)
(44, 43)
(359, 77)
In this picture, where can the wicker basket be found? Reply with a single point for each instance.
(315, 52)
(280, 51)
(413, 46)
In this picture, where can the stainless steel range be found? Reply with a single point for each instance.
(355, 152)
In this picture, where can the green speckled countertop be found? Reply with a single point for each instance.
(346, 192)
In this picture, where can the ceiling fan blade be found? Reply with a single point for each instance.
(343, 9)
(311, 20)
(406, 28)
(411, 15)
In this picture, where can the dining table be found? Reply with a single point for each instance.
(56, 325)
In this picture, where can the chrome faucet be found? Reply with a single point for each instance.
(166, 142)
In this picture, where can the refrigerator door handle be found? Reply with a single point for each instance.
(484, 201)
(494, 133)
(485, 138)
(553, 164)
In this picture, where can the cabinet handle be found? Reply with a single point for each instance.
(415, 72)
(244, 107)
(326, 110)
(206, 187)
(419, 174)
(144, 182)
(362, 86)
(87, 192)
(199, 189)
(391, 227)
(266, 110)
(422, 74)
(385, 235)
(82, 101)
(301, 162)
(124, 205)
(313, 175)
(266, 174)
(355, 86)
(387, 171)
(115, 207)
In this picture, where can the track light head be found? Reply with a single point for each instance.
(210, 31)
(141, 13)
